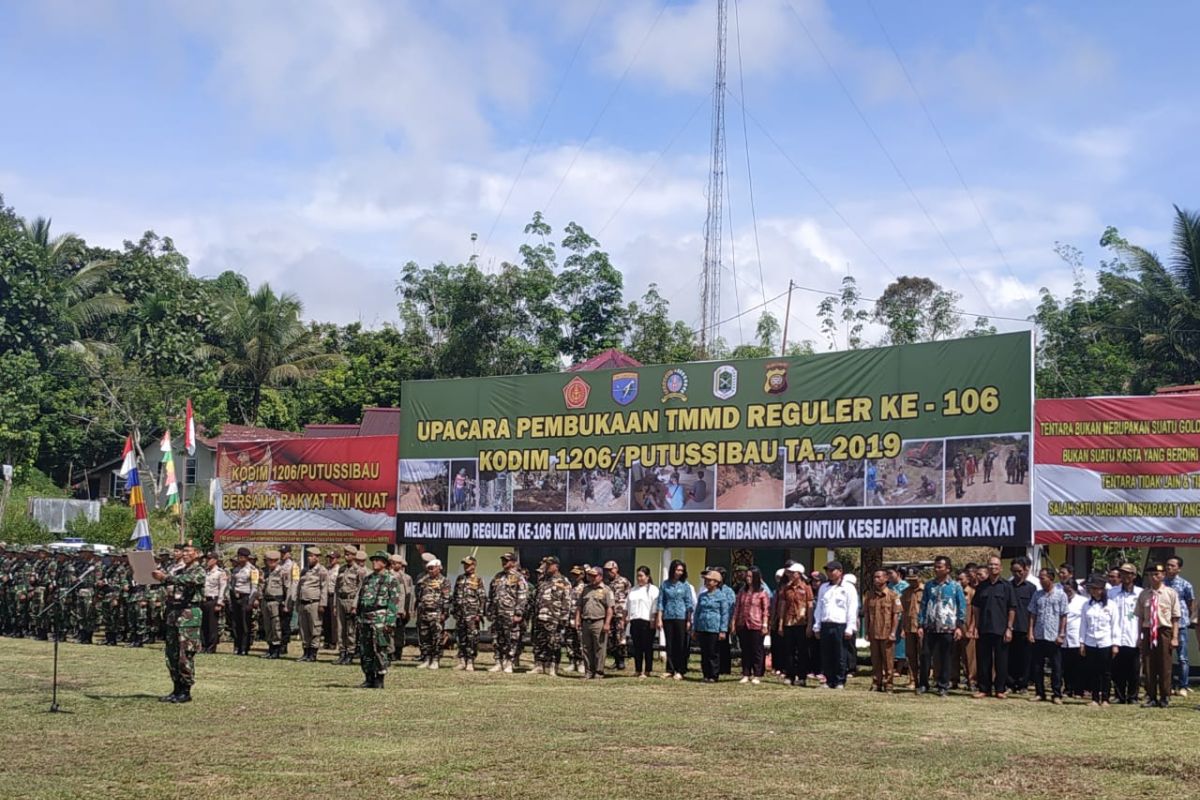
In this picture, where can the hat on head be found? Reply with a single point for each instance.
(379, 555)
(508, 557)
(433, 562)
(592, 570)
(395, 558)
(314, 551)
(285, 548)
(912, 572)
(610, 564)
(1097, 582)
(712, 575)
(467, 560)
(834, 565)
(254, 556)
(332, 554)
(779, 573)
(1155, 568)
(576, 570)
(1127, 567)
(797, 567)
(360, 555)
(427, 556)
(350, 550)
(244, 551)
(211, 554)
(550, 560)
(271, 555)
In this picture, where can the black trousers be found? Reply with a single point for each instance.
(991, 654)
(753, 654)
(939, 654)
(210, 624)
(725, 649)
(1126, 667)
(1072, 665)
(710, 654)
(795, 645)
(641, 636)
(678, 646)
(239, 614)
(1047, 653)
(1020, 656)
(833, 654)
(1097, 666)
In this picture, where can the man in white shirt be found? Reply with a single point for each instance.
(1127, 662)
(835, 619)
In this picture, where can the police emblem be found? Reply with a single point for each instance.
(624, 387)
(725, 381)
(776, 382)
(674, 385)
(575, 393)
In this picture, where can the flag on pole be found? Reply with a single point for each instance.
(189, 431)
(137, 501)
(128, 461)
(170, 486)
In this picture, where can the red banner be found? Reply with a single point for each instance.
(312, 490)
(1116, 471)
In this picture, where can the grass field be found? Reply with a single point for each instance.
(278, 729)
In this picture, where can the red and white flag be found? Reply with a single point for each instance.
(128, 459)
(189, 431)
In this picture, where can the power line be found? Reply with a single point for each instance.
(604, 109)
(541, 126)
(743, 312)
(945, 148)
(887, 154)
(737, 27)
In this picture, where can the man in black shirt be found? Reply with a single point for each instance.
(1020, 651)
(995, 607)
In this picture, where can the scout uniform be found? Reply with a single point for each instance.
(433, 606)
(507, 600)
(468, 603)
(553, 609)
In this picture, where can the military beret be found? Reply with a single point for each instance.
(272, 555)
(1155, 568)
(332, 554)
(379, 555)
(314, 551)
(350, 550)
(243, 551)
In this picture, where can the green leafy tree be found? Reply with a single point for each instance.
(653, 337)
(590, 293)
(914, 309)
(843, 314)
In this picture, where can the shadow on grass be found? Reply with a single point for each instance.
(121, 696)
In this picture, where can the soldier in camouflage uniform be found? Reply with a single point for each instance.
(570, 632)
(376, 607)
(63, 616)
(137, 613)
(156, 603)
(6, 604)
(21, 577)
(41, 579)
(530, 610)
(112, 597)
(619, 585)
(552, 610)
(507, 601)
(467, 604)
(85, 595)
(184, 586)
(433, 606)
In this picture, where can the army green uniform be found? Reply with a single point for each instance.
(184, 590)
(507, 601)
(349, 581)
(137, 613)
(64, 613)
(112, 599)
(620, 588)
(376, 607)
(85, 600)
(553, 610)
(40, 578)
(7, 616)
(23, 586)
(468, 603)
(433, 606)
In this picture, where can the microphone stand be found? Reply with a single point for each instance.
(54, 708)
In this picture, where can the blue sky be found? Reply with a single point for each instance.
(321, 145)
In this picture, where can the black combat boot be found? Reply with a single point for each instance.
(270, 652)
(378, 681)
(184, 695)
(369, 683)
(171, 698)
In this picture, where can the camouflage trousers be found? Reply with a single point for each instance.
(571, 643)
(21, 613)
(181, 646)
(429, 635)
(114, 616)
(547, 642)
(85, 610)
(40, 623)
(467, 633)
(64, 616)
(374, 646)
(616, 638)
(137, 617)
(505, 635)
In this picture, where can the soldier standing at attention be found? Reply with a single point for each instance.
(185, 588)
(467, 604)
(408, 602)
(311, 590)
(571, 633)
(433, 606)
(274, 601)
(553, 611)
(376, 609)
(530, 610)
(619, 585)
(40, 577)
(64, 578)
(289, 606)
(85, 595)
(506, 606)
(350, 578)
(593, 617)
(329, 631)
(156, 602)
(243, 585)
(108, 593)
(216, 590)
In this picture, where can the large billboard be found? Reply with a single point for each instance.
(1115, 471)
(920, 444)
(307, 490)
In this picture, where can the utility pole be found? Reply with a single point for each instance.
(787, 316)
(710, 284)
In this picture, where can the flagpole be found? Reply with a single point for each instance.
(183, 503)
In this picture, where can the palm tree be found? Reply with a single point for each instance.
(264, 343)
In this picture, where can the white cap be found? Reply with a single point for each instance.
(433, 562)
(797, 567)
(779, 572)
(850, 579)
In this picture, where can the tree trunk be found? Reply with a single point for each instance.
(872, 559)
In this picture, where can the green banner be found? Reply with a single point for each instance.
(612, 441)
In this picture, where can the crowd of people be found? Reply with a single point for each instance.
(1102, 640)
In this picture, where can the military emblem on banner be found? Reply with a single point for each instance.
(776, 382)
(624, 387)
(674, 385)
(725, 381)
(576, 392)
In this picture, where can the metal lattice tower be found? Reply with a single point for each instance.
(710, 283)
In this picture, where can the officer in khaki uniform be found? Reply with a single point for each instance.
(311, 591)
(407, 601)
(293, 576)
(274, 600)
(593, 617)
(350, 578)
